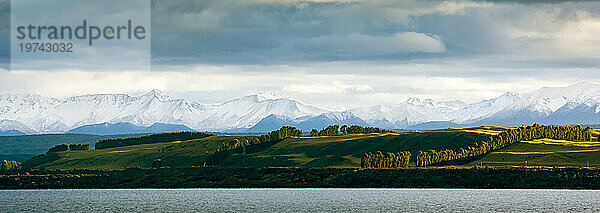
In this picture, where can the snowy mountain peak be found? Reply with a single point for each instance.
(510, 95)
(579, 102)
(413, 100)
(155, 93)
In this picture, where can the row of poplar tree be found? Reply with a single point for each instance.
(334, 130)
(385, 160)
(503, 139)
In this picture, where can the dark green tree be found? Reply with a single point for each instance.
(314, 133)
(75, 147)
(344, 129)
(332, 130)
(59, 148)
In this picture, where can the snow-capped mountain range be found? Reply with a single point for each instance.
(575, 104)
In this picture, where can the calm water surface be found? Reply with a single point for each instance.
(300, 200)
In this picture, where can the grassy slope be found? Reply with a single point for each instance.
(337, 151)
(346, 151)
(178, 153)
(544, 152)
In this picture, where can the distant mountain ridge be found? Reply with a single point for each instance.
(127, 128)
(274, 122)
(11, 133)
(34, 114)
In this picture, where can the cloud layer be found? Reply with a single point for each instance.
(348, 52)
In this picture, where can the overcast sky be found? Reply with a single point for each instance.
(344, 53)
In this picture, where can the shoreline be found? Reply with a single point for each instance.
(235, 178)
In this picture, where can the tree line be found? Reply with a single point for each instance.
(388, 160)
(355, 129)
(334, 130)
(59, 148)
(153, 138)
(67, 147)
(75, 147)
(331, 130)
(503, 139)
(249, 144)
(277, 135)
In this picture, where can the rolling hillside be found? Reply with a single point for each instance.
(346, 151)
(342, 151)
(325, 151)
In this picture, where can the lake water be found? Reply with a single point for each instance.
(299, 200)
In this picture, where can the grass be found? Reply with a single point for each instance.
(543, 152)
(548, 141)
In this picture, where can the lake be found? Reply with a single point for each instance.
(298, 200)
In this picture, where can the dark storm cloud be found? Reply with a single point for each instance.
(267, 32)
(299, 32)
(479, 34)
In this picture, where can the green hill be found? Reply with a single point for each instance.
(323, 151)
(342, 151)
(178, 153)
(346, 151)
